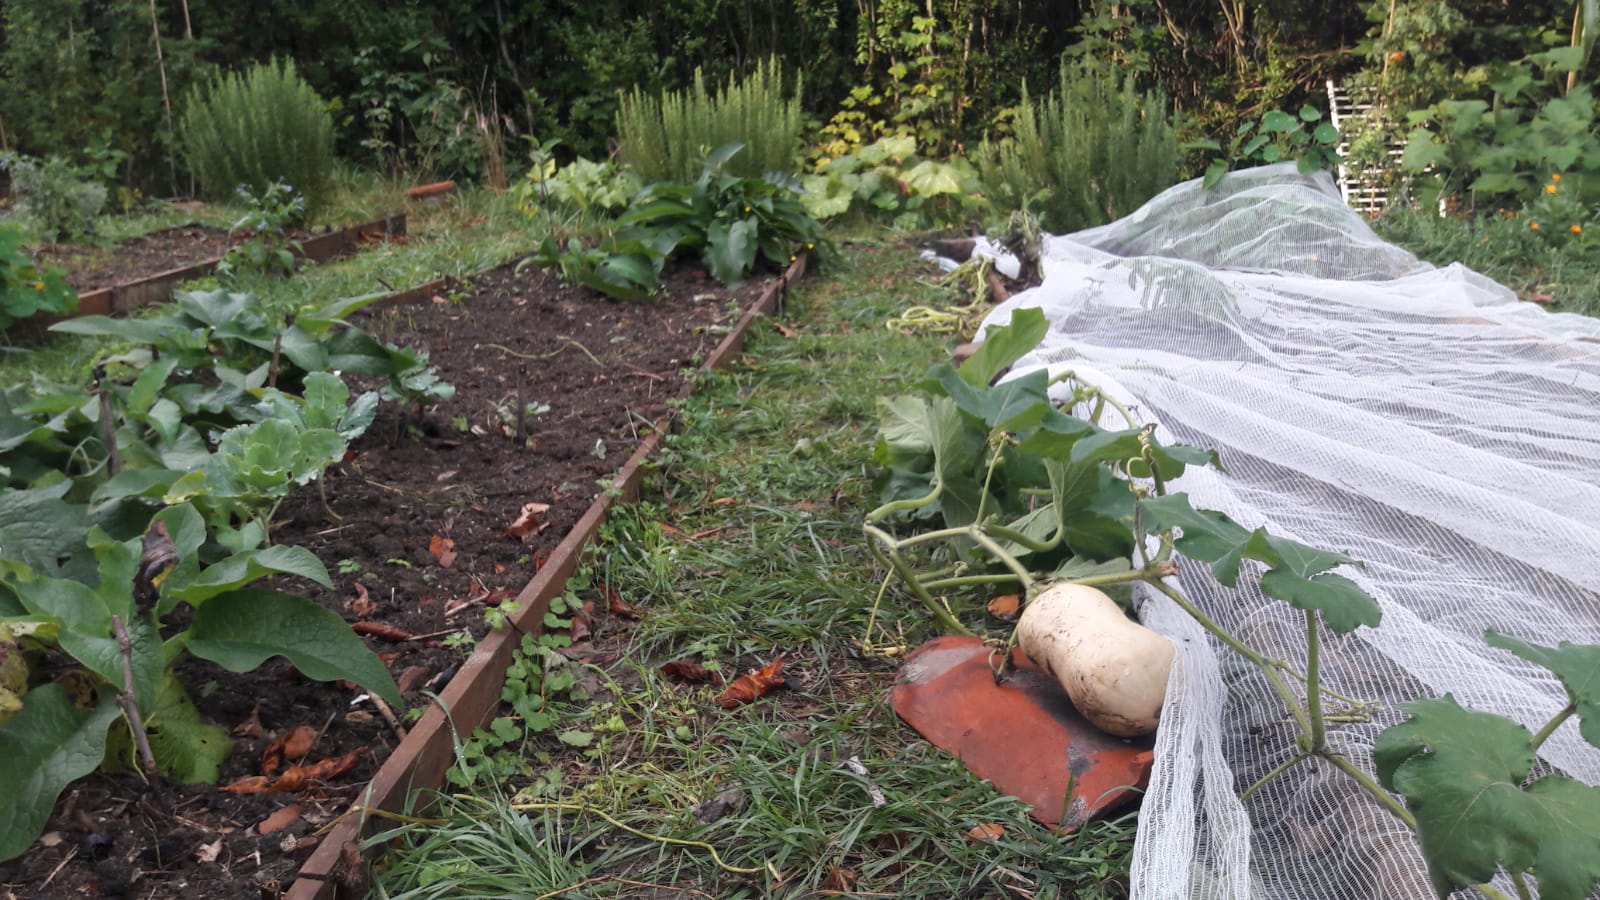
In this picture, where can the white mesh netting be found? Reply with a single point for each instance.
(1421, 419)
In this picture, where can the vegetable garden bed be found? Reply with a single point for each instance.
(435, 514)
(147, 268)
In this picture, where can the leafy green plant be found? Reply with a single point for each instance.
(123, 636)
(1029, 494)
(1304, 138)
(1091, 151)
(667, 137)
(729, 221)
(1502, 149)
(62, 199)
(27, 289)
(265, 248)
(255, 128)
(888, 177)
(582, 189)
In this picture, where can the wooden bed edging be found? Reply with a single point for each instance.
(336, 869)
(123, 298)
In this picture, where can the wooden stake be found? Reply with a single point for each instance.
(166, 100)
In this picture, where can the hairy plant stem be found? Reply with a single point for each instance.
(1521, 885)
(1543, 734)
(1318, 735)
(887, 551)
(1281, 768)
(130, 709)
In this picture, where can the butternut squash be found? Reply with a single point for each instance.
(1113, 669)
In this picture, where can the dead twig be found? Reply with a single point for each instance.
(130, 708)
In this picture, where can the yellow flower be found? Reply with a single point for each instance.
(1549, 189)
(1534, 225)
(1576, 229)
(38, 285)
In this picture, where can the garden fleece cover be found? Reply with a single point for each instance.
(1421, 419)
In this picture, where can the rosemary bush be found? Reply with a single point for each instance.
(1092, 151)
(263, 126)
(667, 137)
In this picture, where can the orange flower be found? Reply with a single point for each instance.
(1534, 225)
(1555, 176)
(1549, 189)
(1576, 229)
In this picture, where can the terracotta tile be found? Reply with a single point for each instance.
(1023, 735)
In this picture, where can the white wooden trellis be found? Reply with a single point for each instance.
(1363, 187)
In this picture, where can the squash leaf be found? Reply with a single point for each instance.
(1462, 774)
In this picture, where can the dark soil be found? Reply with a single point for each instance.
(414, 522)
(87, 268)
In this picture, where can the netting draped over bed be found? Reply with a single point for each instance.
(1421, 419)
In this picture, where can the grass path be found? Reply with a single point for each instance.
(747, 545)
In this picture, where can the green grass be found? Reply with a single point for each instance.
(748, 544)
(1504, 249)
(470, 231)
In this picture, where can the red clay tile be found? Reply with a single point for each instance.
(1023, 734)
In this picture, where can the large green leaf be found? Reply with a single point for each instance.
(38, 528)
(1013, 405)
(241, 629)
(731, 249)
(48, 745)
(1578, 667)
(1462, 773)
(1206, 535)
(1003, 346)
(240, 569)
(187, 749)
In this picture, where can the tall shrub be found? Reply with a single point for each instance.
(666, 137)
(1093, 150)
(255, 128)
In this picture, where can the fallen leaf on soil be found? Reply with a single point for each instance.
(840, 878)
(251, 727)
(758, 683)
(412, 677)
(1542, 297)
(208, 853)
(499, 568)
(784, 330)
(528, 524)
(689, 670)
(382, 630)
(279, 820)
(1004, 607)
(391, 656)
(362, 606)
(721, 806)
(443, 549)
(579, 629)
(618, 606)
(724, 501)
(292, 744)
(482, 598)
(250, 784)
(296, 778)
(988, 832)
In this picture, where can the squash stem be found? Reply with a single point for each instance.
(1554, 723)
(885, 549)
(1372, 787)
(1268, 667)
(1319, 728)
(906, 505)
(1282, 768)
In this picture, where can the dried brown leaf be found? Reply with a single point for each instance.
(1005, 607)
(382, 630)
(987, 833)
(750, 686)
(296, 778)
(443, 549)
(362, 606)
(279, 819)
(689, 670)
(251, 727)
(528, 523)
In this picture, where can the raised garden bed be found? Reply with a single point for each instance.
(418, 517)
(147, 269)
